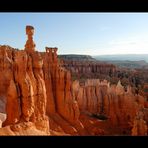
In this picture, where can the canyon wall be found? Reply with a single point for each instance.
(111, 103)
(89, 69)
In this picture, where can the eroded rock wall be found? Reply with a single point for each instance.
(120, 107)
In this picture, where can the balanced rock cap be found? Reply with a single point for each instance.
(29, 30)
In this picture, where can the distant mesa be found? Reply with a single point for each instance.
(76, 57)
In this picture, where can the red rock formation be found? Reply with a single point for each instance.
(59, 85)
(30, 45)
(140, 127)
(6, 74)
(38, 86)
(89, 69)
(99, 98)
(60, 104)
(26, 94)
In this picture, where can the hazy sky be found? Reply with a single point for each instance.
(78, 33)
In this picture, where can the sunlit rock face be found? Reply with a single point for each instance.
(39, 97)
(119, 107)
(24, 85)
(35, 87)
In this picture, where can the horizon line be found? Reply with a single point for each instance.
(105, 54)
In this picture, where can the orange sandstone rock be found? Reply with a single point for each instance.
(99, 98)
(30, 45)
(37, 87)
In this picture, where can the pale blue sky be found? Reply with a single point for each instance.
(78, 33)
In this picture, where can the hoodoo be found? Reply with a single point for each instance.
(30, 45)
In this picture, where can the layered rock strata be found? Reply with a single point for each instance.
(119, 108)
